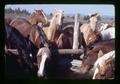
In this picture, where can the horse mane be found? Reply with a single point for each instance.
(42, 35)
(68, 26)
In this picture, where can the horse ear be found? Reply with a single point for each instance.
(41, 9)
(36, 10)
(100, 53)
(97, 14)
(55, 10)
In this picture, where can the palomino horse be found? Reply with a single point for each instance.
(104, 67)
(93, 53)
(24, 26)
(53, 28)
(90, 27)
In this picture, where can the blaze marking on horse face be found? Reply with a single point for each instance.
(42, 65)
(45, 54)
(96, 71)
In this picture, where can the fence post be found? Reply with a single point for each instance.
(76, 36)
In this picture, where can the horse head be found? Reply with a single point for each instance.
(43, 58)
(59, 17)
(55, 25)
(89, 59)
(39, 16)
(93, 37)
(104, 66)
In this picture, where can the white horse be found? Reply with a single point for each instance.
(103, 27)
(108, 33)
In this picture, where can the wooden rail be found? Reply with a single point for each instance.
(60, 51)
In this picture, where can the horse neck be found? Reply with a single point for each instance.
(93, 25)
(52, 30)
(33, 20)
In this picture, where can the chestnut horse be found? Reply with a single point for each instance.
(93, 53)
(104, 67)
(24, 26)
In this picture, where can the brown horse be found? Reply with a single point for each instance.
(65, 39)
(7, 19)
(24, 26)
(38, 16)
(43, 53)
(93, 37)
(105, 66)
(93, 53)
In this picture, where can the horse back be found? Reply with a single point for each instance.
(22, 25)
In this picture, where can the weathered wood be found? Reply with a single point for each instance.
(76, 36)
(70, 51)
(14, 51)
(60, 51)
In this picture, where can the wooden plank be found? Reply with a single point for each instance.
(60, 51)
(14, 51)
(70, 51)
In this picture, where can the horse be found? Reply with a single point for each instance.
(104, 67)
(43, 53)
(65, 39)
(103, 34)
(89, 27)
(7, 19)
(108, 33)
(103, 26)
(54, 27)
(24, 26)
(37, 36)
(93, 53)
(14, 40)
(38, 16)
(93, 37)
